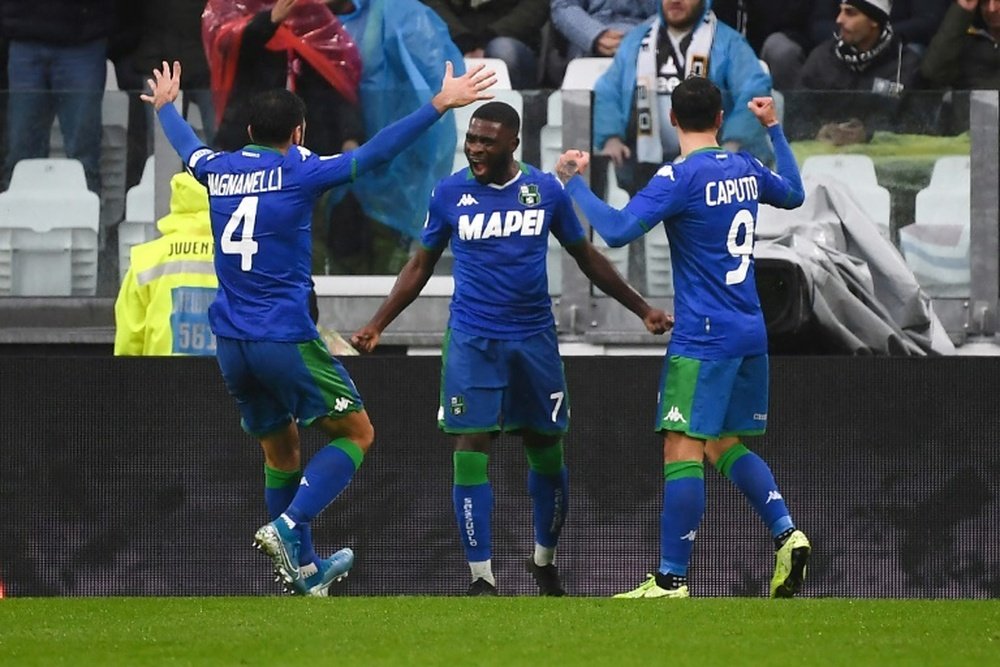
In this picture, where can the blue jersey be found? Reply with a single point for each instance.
(261, 207)
(261, 204)
(708, 203)
(499, 236)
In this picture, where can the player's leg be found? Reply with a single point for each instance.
(472, 384)
(537, 404)
(317, 390)
(693, 396)
(267, 419)
(747, 415)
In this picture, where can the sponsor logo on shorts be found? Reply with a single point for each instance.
(341, 404)
(760, 416)
(689, 536)
(773, 495)
(457, 405)
(674, 415)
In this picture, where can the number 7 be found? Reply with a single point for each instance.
(558, 398)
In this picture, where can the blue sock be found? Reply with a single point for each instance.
(683, 507)
(328, 473)
(753, 478)
(473, 499)
(280, 487)
(548, 485)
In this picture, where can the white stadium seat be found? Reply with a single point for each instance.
(583, 73)
(139, 224)
(858, 173)
(48, 231)
(498, 66)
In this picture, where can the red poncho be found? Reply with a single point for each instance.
(311, 31)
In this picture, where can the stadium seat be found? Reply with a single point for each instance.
(616, 198)
(139, 224)
(936, 245)
(495, 64)
(48, 231)
(858, 173)
(111, 79)
(464, 115)
(583, 73)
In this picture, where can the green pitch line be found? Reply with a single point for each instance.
(500, 631)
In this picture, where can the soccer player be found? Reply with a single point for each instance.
(272, 359)
(713, 391)
(502, 370)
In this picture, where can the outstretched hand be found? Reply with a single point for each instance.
(365, 339)
(164, 86)
(466, 89)
(763, 108)
(570, 164)
(658, 322)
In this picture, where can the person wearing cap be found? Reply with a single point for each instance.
(864, 55)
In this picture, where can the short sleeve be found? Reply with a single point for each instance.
(437, 232)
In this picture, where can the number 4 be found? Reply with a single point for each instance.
(246, 247)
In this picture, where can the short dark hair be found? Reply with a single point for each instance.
(274, 115)
(499, 112)
(696, 103)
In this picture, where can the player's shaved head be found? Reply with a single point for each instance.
(696, 103)
(500, 112)
(274, 115)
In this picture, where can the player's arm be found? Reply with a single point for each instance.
(784, 188)
(653, 203)
(567, 229)
(164, 88)
(604, 275)
(394, 138)
(408, 284)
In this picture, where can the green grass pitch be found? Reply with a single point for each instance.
(499, 631)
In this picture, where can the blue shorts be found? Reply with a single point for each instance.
(712, 399)
(490, 385)
(274, 383)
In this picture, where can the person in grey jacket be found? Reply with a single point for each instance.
(596, 27)
(965, 52)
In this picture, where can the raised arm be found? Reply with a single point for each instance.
(164, 88)
(455, 92)
(783, 189)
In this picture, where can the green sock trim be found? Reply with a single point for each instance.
(731, 455)
(350, 448)
(279, 479)
(682, 469)
(546, 460)
(470, 468)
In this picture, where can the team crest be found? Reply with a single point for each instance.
(528, 195)
(457, 405)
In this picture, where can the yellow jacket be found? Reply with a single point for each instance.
(162, 307)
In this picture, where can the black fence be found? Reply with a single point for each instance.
(132, 477)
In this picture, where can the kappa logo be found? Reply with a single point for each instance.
(674, 415)
(689, 536)
(529, 195)
(303, 482)
(467, 200)
(773, 495)
(341, 404)
(666, 171)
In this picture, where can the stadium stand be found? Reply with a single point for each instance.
(139, 224)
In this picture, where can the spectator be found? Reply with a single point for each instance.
(597, 27)
(778, 31)
(510, 30)
(162, 307)
(866, 54)
(965, 53)
(57, 46)
(404, 46)
(172, 31)
(913, 21)
(257, 45)
(689, 41)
